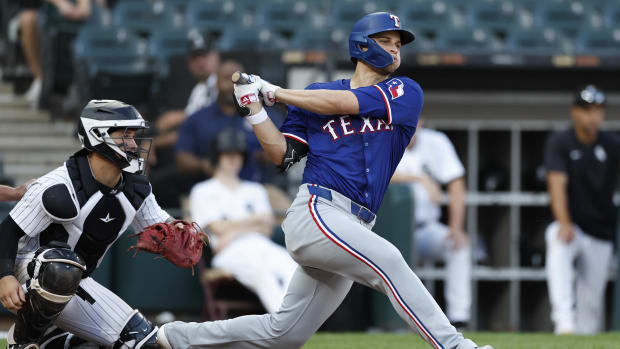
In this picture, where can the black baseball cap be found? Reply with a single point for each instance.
(590, 95)
(199, 44)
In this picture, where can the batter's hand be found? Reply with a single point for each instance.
(268, 90)
(566, 233)
(12, 294)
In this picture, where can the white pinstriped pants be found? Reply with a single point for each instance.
(333, 249)
(101, 322)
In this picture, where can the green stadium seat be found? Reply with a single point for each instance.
(250, 39)
(284, 16)
(143, 17)
(611, 16)
(419, 45)
(344, 14)
(496, 16)
(314, 39)
(426, 17)
(167, 42)
(569, 17)
(389, 5)
(112, 63)
(536, 40)
(213, 17)
(466, 39)
(598, 41)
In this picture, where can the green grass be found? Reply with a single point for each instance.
(497, 340)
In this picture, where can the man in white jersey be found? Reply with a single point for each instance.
(57, 235)
(239, 218)
(430, 160)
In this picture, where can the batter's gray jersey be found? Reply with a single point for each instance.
(334, 248)
(101, 220)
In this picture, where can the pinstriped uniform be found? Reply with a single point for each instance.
(102, 321)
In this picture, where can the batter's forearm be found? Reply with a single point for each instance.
(271, 139)
(456, 206)
(323, 102)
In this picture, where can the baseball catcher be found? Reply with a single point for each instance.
(58, 233)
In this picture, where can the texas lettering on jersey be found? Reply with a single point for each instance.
(342, 126)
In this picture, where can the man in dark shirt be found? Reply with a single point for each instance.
(199, 129)
(582, 172)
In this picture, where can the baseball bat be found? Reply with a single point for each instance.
(240, 78)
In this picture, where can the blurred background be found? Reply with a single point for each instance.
(498, 77)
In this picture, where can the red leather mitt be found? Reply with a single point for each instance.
(179, 242)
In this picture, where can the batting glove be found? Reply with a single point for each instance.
(268, 90)
(248, 93)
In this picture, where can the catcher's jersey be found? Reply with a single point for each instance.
(434, 155)
(356, 155)
(103, 213)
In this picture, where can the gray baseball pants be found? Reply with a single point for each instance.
(334, 248)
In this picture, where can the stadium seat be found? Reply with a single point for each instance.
(566, 16)
(536, 40)
(496, 16)
(313, 39)
(112, 63)
(344, 14)
(284, 16)
(166, 42)
(250, 39)
(389, 5)
(426, 17)
(213, 17)
(143, 17)
(466, 39)
(611, 16)
(598, 41)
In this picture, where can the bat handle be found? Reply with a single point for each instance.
(240, 78)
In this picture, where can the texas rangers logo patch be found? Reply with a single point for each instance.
(396, 87)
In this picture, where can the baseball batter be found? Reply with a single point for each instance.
(58, 233)
(354, 132)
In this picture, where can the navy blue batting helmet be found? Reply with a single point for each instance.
(372, 24)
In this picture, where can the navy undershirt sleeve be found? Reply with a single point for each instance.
(11, 233)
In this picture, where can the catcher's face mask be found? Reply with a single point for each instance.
(130, 144)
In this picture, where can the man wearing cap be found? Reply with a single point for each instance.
(582, 175)
(203, 63)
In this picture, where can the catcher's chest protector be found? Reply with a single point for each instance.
(104, 214)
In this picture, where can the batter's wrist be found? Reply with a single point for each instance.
(258, 117)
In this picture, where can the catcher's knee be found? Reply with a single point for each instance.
(56, 272)
(138, 333)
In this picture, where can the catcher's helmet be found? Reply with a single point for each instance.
(100, 118)
(372, 24)
(589, 95)
(228, 140)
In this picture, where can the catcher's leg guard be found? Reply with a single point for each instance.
(55, 274)
(138, 333)
(56, 338)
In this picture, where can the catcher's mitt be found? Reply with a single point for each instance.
(179, 242)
